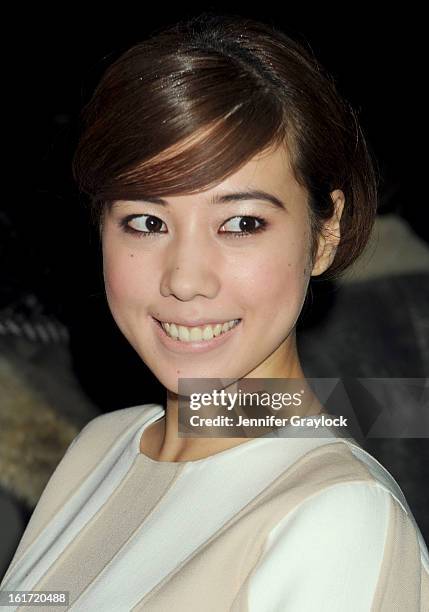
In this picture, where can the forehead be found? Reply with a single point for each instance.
(269, 171)
(269, 166)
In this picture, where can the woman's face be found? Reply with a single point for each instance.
(186, 261)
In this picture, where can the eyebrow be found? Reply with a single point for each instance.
(229, 197)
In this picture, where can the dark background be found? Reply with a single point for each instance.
(54, 59)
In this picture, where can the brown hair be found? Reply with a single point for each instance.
(223, 88)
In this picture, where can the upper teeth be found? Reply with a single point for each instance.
(194, 334)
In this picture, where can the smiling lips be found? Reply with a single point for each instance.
(198, 333)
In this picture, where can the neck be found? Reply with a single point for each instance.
(165, 445)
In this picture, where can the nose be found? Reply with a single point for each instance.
(190, 267)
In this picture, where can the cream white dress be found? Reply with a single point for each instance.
(299, 524)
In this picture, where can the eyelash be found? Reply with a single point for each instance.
(123, 223)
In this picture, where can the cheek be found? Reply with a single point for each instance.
(275, 284)
(124, 279)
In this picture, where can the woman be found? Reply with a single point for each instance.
(224, 171)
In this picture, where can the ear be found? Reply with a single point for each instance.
(330, 236)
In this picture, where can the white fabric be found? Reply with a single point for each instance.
(339, 536)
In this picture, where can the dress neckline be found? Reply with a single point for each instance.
(157, 411)
(158, 414)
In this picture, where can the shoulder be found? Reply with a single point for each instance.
(346, 539)
(102, 439)
(106, 427)
(83, 455)
(328, 467)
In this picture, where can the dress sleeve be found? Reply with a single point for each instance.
(350, 547)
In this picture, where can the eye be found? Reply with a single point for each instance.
(246, 226)
(143, 225)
